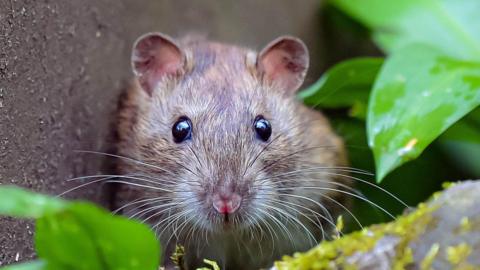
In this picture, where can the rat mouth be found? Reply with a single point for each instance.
(227, 221)
(226, 218)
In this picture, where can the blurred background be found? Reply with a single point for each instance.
(64, 63)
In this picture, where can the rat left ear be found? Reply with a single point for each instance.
(154, 57)
(283, 63)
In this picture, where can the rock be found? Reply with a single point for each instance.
(443, 233)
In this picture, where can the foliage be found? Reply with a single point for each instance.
(80, 236)
(412, 104)
(347, 84)
(430, 78)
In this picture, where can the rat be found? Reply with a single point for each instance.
(217, 154)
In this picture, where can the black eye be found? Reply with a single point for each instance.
(182, 129)
(263, 128)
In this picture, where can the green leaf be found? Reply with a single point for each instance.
(347, 84)
(418, 94)
(79, 235)
(449, 25)
(35, 265)
(461, 142)
(21, 203)
(86, 237)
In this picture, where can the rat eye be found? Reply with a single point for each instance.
(262, 128)
(182, 129)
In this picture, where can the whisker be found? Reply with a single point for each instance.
(124, 158)
(269, 228)
(171, 206)
(344, 192)
(329, 219)
(312, 170)
(316, 169)
(372, 185)
(252, 161)
(292, 154)
(168, 209)
(83, 185)
(279, 224)
(140, 185)
(271, 185)
(149, 209)
(318, 224)
(172, 182)
(192, 230)
(105, 178)
(170, 220)
(181, 227)
(116, 176)
(140, 200)
(292, 218)
(345, 209)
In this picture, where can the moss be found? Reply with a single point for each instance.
(339, 227)
(178, 257)
(213, 265)
(405, 259)
(464, 227)
(426, 263)
(447, 185)
(458, 255)
(334, 254)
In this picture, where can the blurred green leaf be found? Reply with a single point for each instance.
(418, 94)
(461, 143)
(449, 25)
(75, 236)
(21, 203)
(346, 84)
(104, 241)
(35, 265)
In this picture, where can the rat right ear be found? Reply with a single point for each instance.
(156, 56)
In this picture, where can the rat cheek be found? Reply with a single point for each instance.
(265, 190)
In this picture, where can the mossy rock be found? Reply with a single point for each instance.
(443, 233)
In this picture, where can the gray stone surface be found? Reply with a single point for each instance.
(63, 63)
(444, 234)
(452, 207)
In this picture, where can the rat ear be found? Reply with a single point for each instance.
(154, 57)
(284, 63)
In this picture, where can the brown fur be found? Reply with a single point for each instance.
(221, 93)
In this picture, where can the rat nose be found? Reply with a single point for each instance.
(226, 203)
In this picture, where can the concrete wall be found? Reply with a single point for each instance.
(62, 64)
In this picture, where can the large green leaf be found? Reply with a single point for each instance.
(346, 84)
(449, 25)
(75, 236)
(21, 203)
(84, 237)
(418, 94)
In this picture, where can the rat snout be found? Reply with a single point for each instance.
(226, 202)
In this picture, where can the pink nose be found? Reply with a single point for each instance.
(226, 204)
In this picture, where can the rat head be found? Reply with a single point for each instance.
(214, 135)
